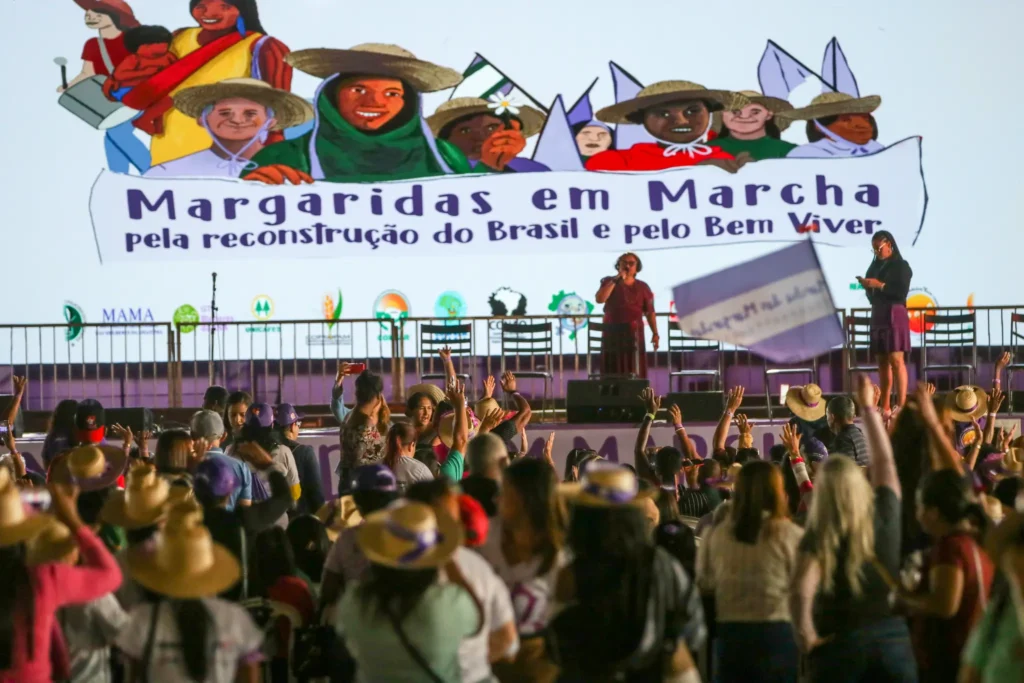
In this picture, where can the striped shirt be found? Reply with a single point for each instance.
(850, 442)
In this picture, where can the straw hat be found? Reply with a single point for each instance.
(375, 59)
(53, 544)
(289, 110)
(142, 503)
(338, 515)
(408, 535)
(661, 93)
(17, 525)
(446, 427)
(834, 104)
(606, 485)
(805, 402)
(185, 562)
(966, 403)
(1013, 461)
(91, 468)
(452, 110)
(431, 390)
(775, 105)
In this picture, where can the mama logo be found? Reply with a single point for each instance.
(572, 311)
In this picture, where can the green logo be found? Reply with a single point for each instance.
(74, 317)
(263, 307)
(186, 317)
(572, 310)
(332, 309)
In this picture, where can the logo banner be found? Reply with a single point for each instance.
(838, 201)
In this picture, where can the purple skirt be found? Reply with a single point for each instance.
(890, 328)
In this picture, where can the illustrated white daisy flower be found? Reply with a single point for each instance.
(502, 103)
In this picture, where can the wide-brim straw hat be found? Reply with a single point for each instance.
(834, 104)
(606, 485)
(806, 402)
(289, 110)
(53, 544)
(17, 524)
(446, 427)
(90, 468)
(775, 105)
(142, 503)
(184, 563)
(375, 59)
(662, 92)
(455, 109)
(967, 403)
(409, 535)
(432, 390)
(338, 515)
(1013, 461)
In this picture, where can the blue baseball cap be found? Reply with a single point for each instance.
(259, 415)
(286, 415)
(374, 478)
(217, 475)
(815, 450)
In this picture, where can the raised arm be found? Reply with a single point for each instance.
(994, 404)
(881, 464)
(338, 408)
(606, 289)
(19, 393)
(941, 450)
(722, 430)
(677, 423)
(644, 470)
(524, 412)
(453, 465)
(449, 366)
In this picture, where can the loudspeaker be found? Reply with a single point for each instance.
(18, 428)
(589, 401)
(137, 419)
(697, 406)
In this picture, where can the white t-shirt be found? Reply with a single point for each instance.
(531, 592)
(493, 595)
(234, 633)
(90, 630)
(408, 471)
(284, 462)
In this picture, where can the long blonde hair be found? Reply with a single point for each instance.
(842, 510)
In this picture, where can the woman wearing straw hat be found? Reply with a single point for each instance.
(401, 623)
(753, 125)
(239, 114)
(31, 595)
(838, 125)
(625, 609)
(185, 633)
(369, 124)
(808, 408)
(489, 134)
(678, 115)
(886, 284)
(967, 403)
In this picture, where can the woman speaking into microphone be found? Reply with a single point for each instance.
(627, 301)
(886, 284)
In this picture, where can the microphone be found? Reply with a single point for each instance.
(63, 64)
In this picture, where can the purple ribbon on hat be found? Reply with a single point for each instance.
(424, 540)
(609, 494)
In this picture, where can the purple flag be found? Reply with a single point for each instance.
(778, 306)
(556, 148)
(627, 88)
(783, 76)
(582, 111)
(836, 70)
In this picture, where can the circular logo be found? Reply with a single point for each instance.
(263, 307)
(450, 305)
(391, 305)
(920, 321)
(572, 311)
(186, 317)
(74, 317)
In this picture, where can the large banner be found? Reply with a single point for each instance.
(842, 201)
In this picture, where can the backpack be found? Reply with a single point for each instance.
(259, 489)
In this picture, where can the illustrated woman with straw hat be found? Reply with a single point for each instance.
(678, 115)
(31, 594)
(838, 125)
(402, 623)
(625, 609)
(369, 124)
(489, 134)
(185, 633)
(753, 125)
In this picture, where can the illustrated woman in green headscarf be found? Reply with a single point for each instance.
(369, 125)
(753, 124)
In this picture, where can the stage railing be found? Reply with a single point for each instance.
(170, 365)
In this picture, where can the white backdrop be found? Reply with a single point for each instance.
(945, 72)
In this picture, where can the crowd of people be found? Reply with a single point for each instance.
(855, 550)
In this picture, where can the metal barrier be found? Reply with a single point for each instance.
(165, 365)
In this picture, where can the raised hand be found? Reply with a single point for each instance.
(791, 439)
(675, 414)
(864, 391)
(457, 394)
(124, 433)
(144, 438)
(652, 402)
(735, 398)
(508, 382)
(996, 400)
(876, 395)
(924, 405)
(1007, 439)
(445, 353)
(1003, 361)
(549, 449)
(489, 387)
(344, 370)
(20, 383)
(742, 423)
(64, 505)
(492, 419)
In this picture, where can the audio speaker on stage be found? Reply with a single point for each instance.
(697, 406)
(589, 401)
(137, 419)
(18, 428)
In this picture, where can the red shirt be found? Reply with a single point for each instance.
(115, 48)
(291, 591)
(648, 156)
(628, 303)
(939, 642)
(56, 585)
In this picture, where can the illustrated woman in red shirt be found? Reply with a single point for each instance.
(678, 115)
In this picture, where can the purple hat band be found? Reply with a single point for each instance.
(608, 494)
(812, 405)
(424, 540)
